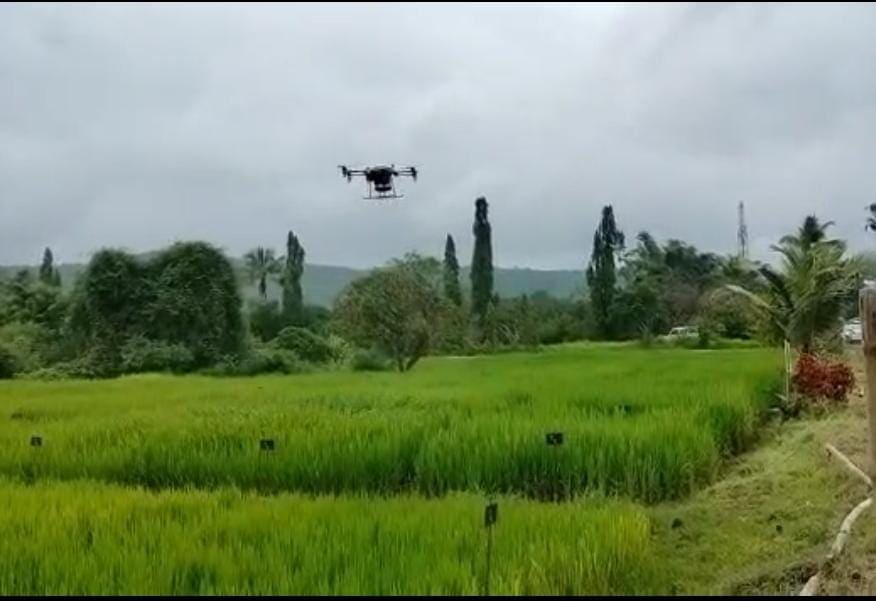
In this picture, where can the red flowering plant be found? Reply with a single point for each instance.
(819, 379)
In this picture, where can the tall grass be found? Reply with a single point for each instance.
(647, 424)
(88, 538)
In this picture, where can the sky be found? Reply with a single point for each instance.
(135, 126)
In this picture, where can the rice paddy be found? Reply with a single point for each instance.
(372, 482)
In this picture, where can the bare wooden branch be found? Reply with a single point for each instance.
(848, 463)
(836, 549)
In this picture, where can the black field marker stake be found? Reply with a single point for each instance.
(266, 444)
(491, 516)
(36, 441)
(554, 439)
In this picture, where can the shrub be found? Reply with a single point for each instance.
(369, 360)
(27, 343)
(8, 364)
(140, 354)
(265, 319)
(341, 349)
(819, 378)
(304, 343)
(260, 360)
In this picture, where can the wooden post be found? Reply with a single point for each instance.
(867, 307)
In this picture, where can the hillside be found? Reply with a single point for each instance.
(322, 283)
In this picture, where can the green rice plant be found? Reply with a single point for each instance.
(88, 538)
(649, 424)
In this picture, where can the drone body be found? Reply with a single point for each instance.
(381, 179)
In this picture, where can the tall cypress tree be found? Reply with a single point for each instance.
(48, 274)
(451, 273)
(601, 277)
(481, 262)
(293, 298)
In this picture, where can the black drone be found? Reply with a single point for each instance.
(380, 179)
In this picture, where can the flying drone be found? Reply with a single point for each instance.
(381, 179)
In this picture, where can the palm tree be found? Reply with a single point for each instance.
(806, 297)
(261, 263)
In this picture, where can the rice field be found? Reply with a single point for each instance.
(372, 482)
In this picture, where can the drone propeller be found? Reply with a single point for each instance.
(346, 173)
(414, 173)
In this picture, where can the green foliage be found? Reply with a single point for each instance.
(805, 300)
(265, 319)
(261, 264)
(196, 303)
(29, 343)
(258, 360)
(398, 308)
(452, 291)
(111, 304)
(662, 286)
(185, 296)
(608, 241)
(370, 360)
(727, 315)
(140, 354)
(304, 343)
(644, 424)
(8, 363)
(90, 539)
(481, 261)
(48, 274)
(293, 297)
(26, 300)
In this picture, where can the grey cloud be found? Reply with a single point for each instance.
(136, 125)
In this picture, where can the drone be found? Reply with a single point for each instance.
(380, 179)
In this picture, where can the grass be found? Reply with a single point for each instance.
(646, 424)
(154, 484)
(90, 538)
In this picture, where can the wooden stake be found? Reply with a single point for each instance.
(867, 307)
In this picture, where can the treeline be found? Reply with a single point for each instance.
(181, 309)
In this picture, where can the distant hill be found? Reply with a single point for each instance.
(322, 283)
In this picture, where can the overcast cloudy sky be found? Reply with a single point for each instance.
(139, 125)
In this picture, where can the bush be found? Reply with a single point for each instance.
(265, 320)
(370, 360)
(341, 349)
(8, 364)
(84, 368)
(304, 343)
(821, 379)
(260, 360)
(140, 354)
(27, 343)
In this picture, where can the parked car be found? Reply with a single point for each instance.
(681, 332)
(852, 332)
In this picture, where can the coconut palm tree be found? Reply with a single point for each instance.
(806, 296)
(260, 264)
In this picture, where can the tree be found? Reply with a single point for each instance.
(481, 261)
(195, 302)
(452, 290)
(260, 264)
(805, 298)
(293, 298)
(608, 240)
(48, 274)
(398, 308)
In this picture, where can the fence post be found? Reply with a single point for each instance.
(867, 307)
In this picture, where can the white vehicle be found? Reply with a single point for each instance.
(852, 332)
(680, 332)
